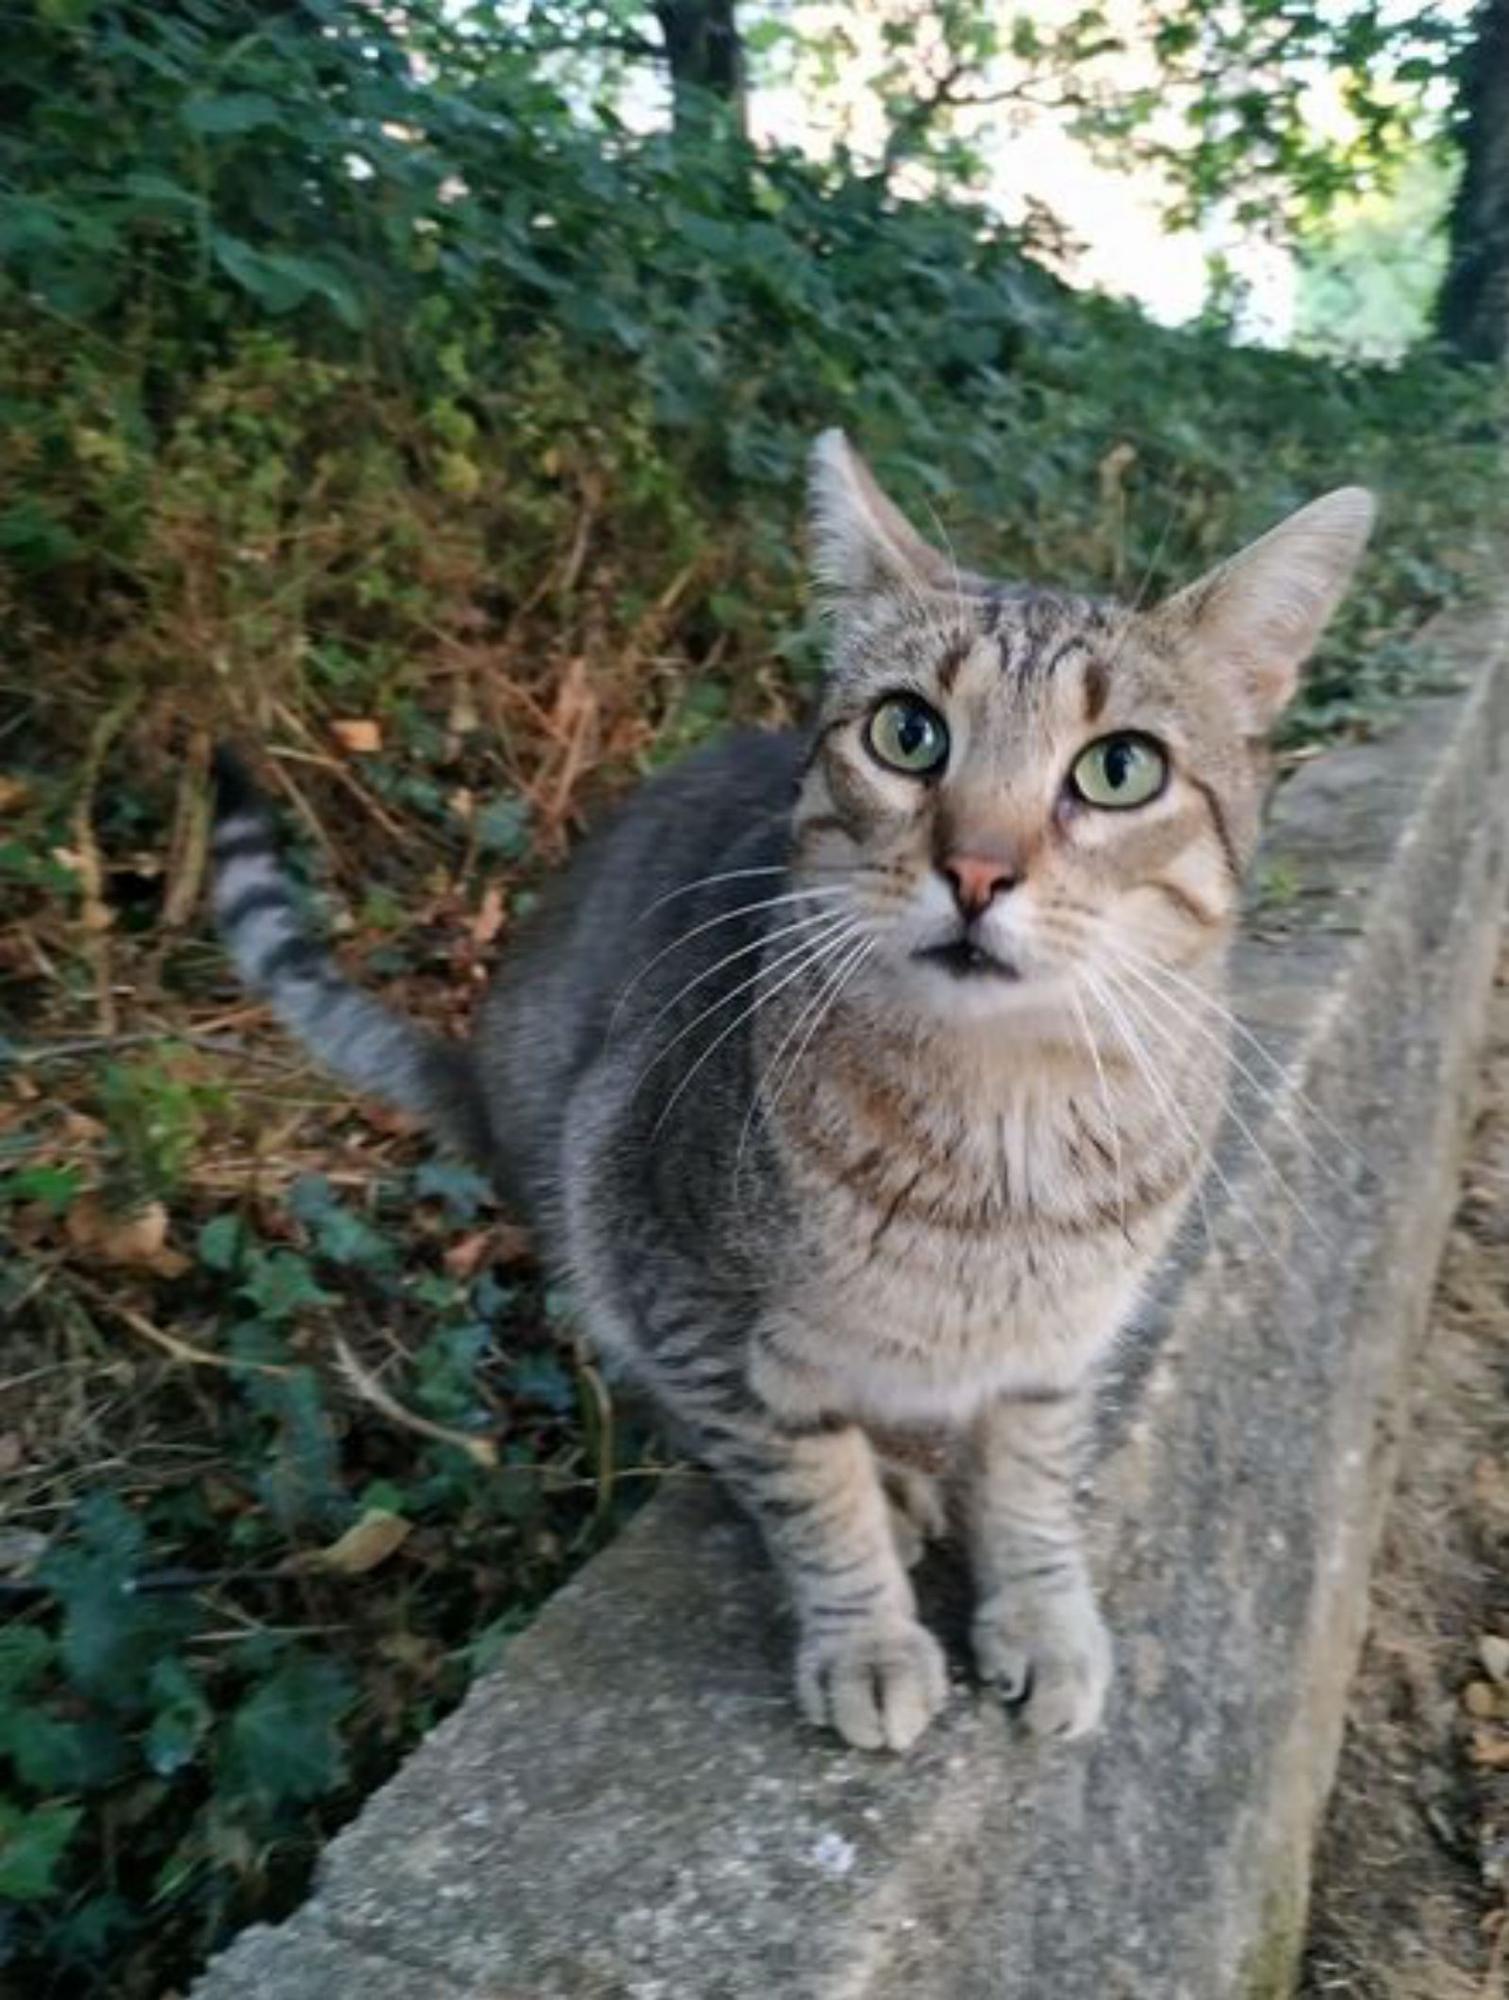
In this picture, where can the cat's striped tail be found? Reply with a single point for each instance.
(353, 1035)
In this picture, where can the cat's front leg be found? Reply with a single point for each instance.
(1038, 1635)
(864, 1665)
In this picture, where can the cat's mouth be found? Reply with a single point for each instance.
(962, 958)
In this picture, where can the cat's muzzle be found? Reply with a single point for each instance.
(964, 957)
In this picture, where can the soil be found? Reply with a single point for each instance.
(1412, 1869)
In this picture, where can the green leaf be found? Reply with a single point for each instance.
(112, 1633)
(32, 1843)
(281, 1285)
(53, 1754)
(503, 828)
(280, 281)
(301, 1484)
(55, 1187)
(237, 111)
(181, 1716)
(25, 1653)
(283, 1744)
(223, 1243)
(461, 1188)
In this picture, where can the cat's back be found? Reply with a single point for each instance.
(638, 883)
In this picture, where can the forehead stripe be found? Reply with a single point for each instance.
(1097, 687)
(954, 657)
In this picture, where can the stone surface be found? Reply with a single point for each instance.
(629, 1809)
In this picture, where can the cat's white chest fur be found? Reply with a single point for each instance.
(1005, 1267)
(935, 1332)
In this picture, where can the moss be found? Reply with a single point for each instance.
(1272, 1964)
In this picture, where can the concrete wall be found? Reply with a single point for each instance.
(629, 1809)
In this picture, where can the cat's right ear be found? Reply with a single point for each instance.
(1260, 615)
(862, 543)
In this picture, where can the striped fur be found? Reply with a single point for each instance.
(357, 1038)
(867, 1219)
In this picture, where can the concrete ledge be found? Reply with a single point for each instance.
(629, 1809)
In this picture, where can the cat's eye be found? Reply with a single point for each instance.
(1118, 771)
(907, 735)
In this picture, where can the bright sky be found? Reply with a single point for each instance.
(1115, 217)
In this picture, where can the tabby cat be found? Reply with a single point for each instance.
(856, 1076)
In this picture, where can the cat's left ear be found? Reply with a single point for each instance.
(862, 543)
(1260, 615)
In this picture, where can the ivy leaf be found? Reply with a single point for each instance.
(181, 1717)
(462, 1189)
(112, 1635)
(283, 1744)
(346, 1239)
(223, 1243)
(343, 1237)
(52, 1755)
(32, 1843)
(301, 1482)
(502, 828)
(312, 1198)
(280, 1284)
(25, 1652)
(540, 1378)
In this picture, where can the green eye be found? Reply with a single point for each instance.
(907, 735)
(1120, 771)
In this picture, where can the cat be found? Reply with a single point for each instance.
(856, 1077)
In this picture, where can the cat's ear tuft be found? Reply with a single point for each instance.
(861, 541)
(1261, 614)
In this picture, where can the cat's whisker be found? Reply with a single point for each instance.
(953, 563)
(1113, 1131)
(819, 1006)
(828, 917)
(708, 882)
(798, 951)
(708, 924)
(1095, 938)
(1100, 991)
(1266, 1096)
(1215, 1006)
(1260, 1152)
(760, 1000)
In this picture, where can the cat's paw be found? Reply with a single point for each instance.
(1050, 1653)
(878, 1686)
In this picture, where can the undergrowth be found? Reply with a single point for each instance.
(443, 439)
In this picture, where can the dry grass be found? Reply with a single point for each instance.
(1413, 1865)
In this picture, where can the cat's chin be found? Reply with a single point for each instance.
(981, 995)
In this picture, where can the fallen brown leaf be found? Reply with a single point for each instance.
(366, 1543)
(1484, 1700)
(466, 1256)
(1489, 1749)
(139, 1241)
(1494, 1653)
(489, 918)
(359, 735)
(13, 793)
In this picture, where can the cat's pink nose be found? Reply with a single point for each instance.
(977, 880)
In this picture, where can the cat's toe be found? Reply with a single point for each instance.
(1053, 1658)
(879, 1687)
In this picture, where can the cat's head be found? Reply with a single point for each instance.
(1021, 793)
